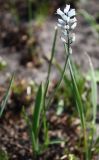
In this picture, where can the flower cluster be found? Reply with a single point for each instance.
(67, 23)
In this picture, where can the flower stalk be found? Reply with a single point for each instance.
(67, 24)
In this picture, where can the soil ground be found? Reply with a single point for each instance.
(13, 135)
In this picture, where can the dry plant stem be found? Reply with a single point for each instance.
(83, 118)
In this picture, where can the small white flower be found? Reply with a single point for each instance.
(55, 28)
(71, 13)
(70, 50)
(73, 37)
(66, 27)
(63, 39)
(65, 18)
(74, 25)
(66, 9)
(59, 25)
(60, 12)
(61, 21)
(73, 20)
(65, 33)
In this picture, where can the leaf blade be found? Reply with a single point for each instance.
(38, 109)
(6, 96)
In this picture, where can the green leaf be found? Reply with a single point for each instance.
(37, 109)
(97, 141)
(88, 76)
(5, 98)
(30, 130)
(61, 78)
(92, 22)
(96, 145)
(51, 60)
(77, 95)
(93, 89)
(3, 155)
(88, 17)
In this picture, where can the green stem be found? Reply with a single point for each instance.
(46, 87)
(50, 64)
(60, 80)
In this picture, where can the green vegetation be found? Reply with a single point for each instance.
(74, 94)
(3, 155)
(5, 98)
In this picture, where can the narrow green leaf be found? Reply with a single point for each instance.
(97, 141)
(96, 145)
(94, 104)
(91, 20)
(51, 60)
(30, 130)
(88, 76)
(5, 98)
(3, 155)
(65, 78)
(61, 78)
(88, 17)
(77, 95)
(46, 87)
(38, 109)
(80, 107)
(93, 89)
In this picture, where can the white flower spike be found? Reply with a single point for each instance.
(67, 23)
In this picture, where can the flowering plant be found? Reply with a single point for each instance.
(67, 23)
